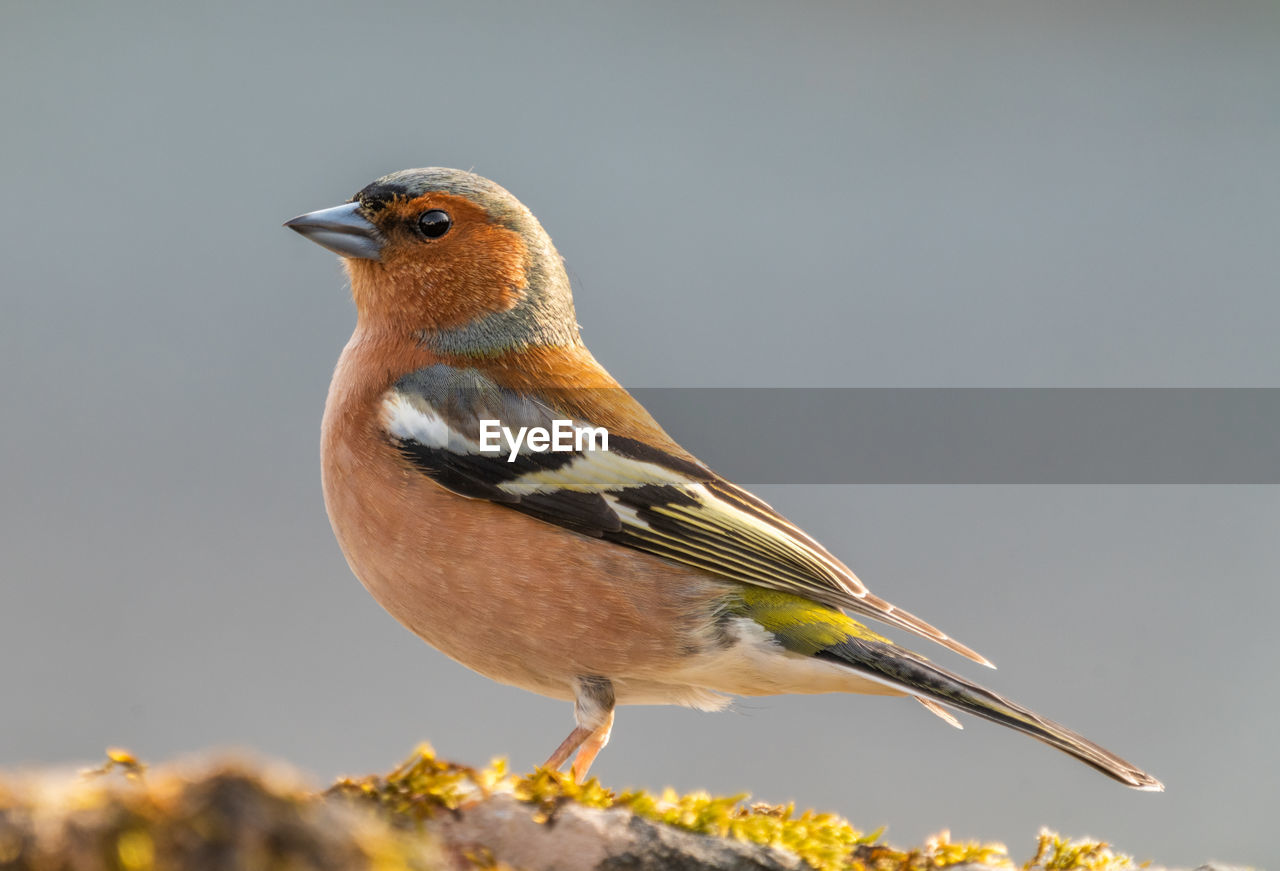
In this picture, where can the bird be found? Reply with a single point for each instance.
(611, 570)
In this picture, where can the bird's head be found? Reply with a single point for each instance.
(452, 258)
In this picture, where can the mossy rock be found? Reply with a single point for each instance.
(432, 814)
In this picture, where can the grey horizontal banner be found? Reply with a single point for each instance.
(977, 436)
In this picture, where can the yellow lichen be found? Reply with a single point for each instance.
(188, 817)
(939, 851)
(119, 759)
(424, 785)
(1055, 853)
(132, 823)
(136, 851)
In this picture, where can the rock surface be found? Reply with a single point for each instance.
(580, 838)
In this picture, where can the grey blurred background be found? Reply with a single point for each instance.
(837, 194)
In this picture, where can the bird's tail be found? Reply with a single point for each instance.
(904, 670)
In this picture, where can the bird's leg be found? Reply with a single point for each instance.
(566, 748)
(593, 709)
(590, 747)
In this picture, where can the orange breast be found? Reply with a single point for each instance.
(517, 599)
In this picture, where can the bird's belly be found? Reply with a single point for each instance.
(753, 663)
(516, 599)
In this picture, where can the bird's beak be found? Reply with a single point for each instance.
(342, 230)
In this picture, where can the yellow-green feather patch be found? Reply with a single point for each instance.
(801, 625)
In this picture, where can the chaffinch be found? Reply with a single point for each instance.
(615, 569)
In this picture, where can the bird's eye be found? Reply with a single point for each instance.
(434, 224)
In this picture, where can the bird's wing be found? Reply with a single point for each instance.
(652, 497)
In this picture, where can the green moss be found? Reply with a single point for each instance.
(823, 840)
(122, 816)
(1055, 853)
(425, 785)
